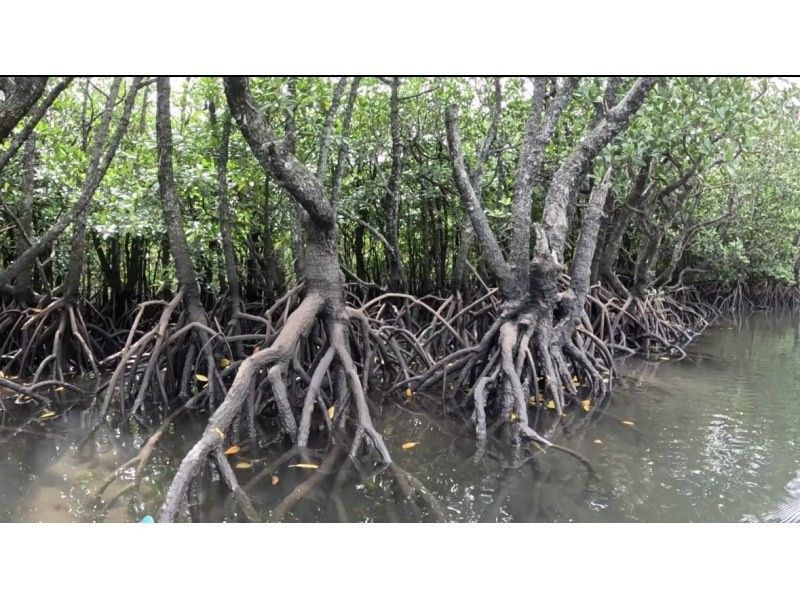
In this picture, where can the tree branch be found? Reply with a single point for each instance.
(491, 248)
(36, 115)
(298, 181)
(568, 174)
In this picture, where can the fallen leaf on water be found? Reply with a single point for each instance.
(409, 393)
(243, 465)
(305, 466)
(59, 389)
(36, 310)
(2, 374)
(331, 411)
(46, 414)
(22, 399)
(224, 362)
(551, 404)
(598, 441)
(627, 422)
(275, 480)
(201, 377)
(664, 358)
(409, 445)
(586, 404)
(232, 450)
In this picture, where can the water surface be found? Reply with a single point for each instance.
(713, 437)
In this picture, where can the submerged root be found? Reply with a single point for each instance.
(523, 366)
(335, 363)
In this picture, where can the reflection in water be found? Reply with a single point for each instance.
(709, 438)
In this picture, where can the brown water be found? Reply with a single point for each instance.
(713, 437)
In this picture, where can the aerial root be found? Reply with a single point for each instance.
(54, 336)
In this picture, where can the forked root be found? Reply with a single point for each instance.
(277, 358)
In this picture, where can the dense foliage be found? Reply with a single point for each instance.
(741, 134)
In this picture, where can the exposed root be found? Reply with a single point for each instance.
(335, 364)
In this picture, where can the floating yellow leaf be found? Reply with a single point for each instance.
(305, 466)
(36, 310)
(409, 393)
(224, 362)
(331, 411)
(551, 404)
(59, 389)
(664, 358)
(244, 465)
(201, 377)
(232, 450)
(2, 374)
(627, 422)
(22, 399)
(586, 404)
(47, 413)
(409, 445)
(598, 441)
(275, 480)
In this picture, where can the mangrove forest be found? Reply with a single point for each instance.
(399, 298)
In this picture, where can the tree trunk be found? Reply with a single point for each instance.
(646, 258)
(467, 234)
(24, 294)
(341, 160)
(636, 198)
(224, 212)
(391, 199)
(19, 96)
(187, 277)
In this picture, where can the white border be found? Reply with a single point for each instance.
(404, 560)
(399, 36)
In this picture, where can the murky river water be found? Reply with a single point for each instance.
(715, 437)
